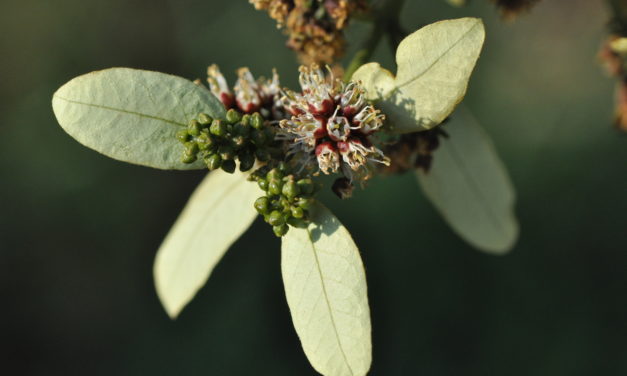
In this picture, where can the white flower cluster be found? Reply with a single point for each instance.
(330, 125)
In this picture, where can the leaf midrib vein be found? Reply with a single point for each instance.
(434, 62)
(194, 239)
(328, 304)
(120, 110)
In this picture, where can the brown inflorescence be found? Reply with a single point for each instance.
(413, 151)
(314, 27)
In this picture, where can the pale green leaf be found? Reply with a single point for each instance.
(217, 214)
(325, 285)
(133, 115)
(434, 66)
(469, 186)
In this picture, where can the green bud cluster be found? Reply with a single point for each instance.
(287, 200)
(220, 142)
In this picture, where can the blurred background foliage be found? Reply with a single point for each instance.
(78, 231)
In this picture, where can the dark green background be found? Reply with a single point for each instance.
(78, 231)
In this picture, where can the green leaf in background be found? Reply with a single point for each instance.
(325, 286)
(469, 186)
(133, 115)
(217, 214)
(434, 66)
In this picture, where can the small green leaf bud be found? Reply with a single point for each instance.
(213, 162)
(233, 116)
(290, 189)
(262, 155)
(183, 135)
(246, 161)
(306, 186)
(228, 166)
(263, 184)
(245, 120)
(194, 127)
(276, 204)
(188, 158)
(274, 186)
(256, 121)
(282, 167)
(262, 205)
(297, 222)
(297, 212)
(279, 231)
(226, 152)
(204, 119)
(275, 173)
(205, 142)
(276, 218)
(305, 203)
(218, 128)
(191, 148)
(285, 205)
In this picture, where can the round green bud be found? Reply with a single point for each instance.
(256, 121)
(276, 218)
(275, 204)
(263, 184)
(274, 174)
(305, 203)
(218, 128)
(259, 137)
(306, 186)
(233, 116)
(194, 127)
(204, 119)
(188, 158)
(262, 205)
(282, 167)
(191, 148)
(183, 135)
(285, 205)
(297, 222)
(245, 120)
(213, 162)
(226, 152)
(205, 142)
(228, 166)
(290, 189)
(246, 161)
(297, 212)
(274, 186)
(279, 231)
(262, 155)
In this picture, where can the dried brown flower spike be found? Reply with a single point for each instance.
(314, 27)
